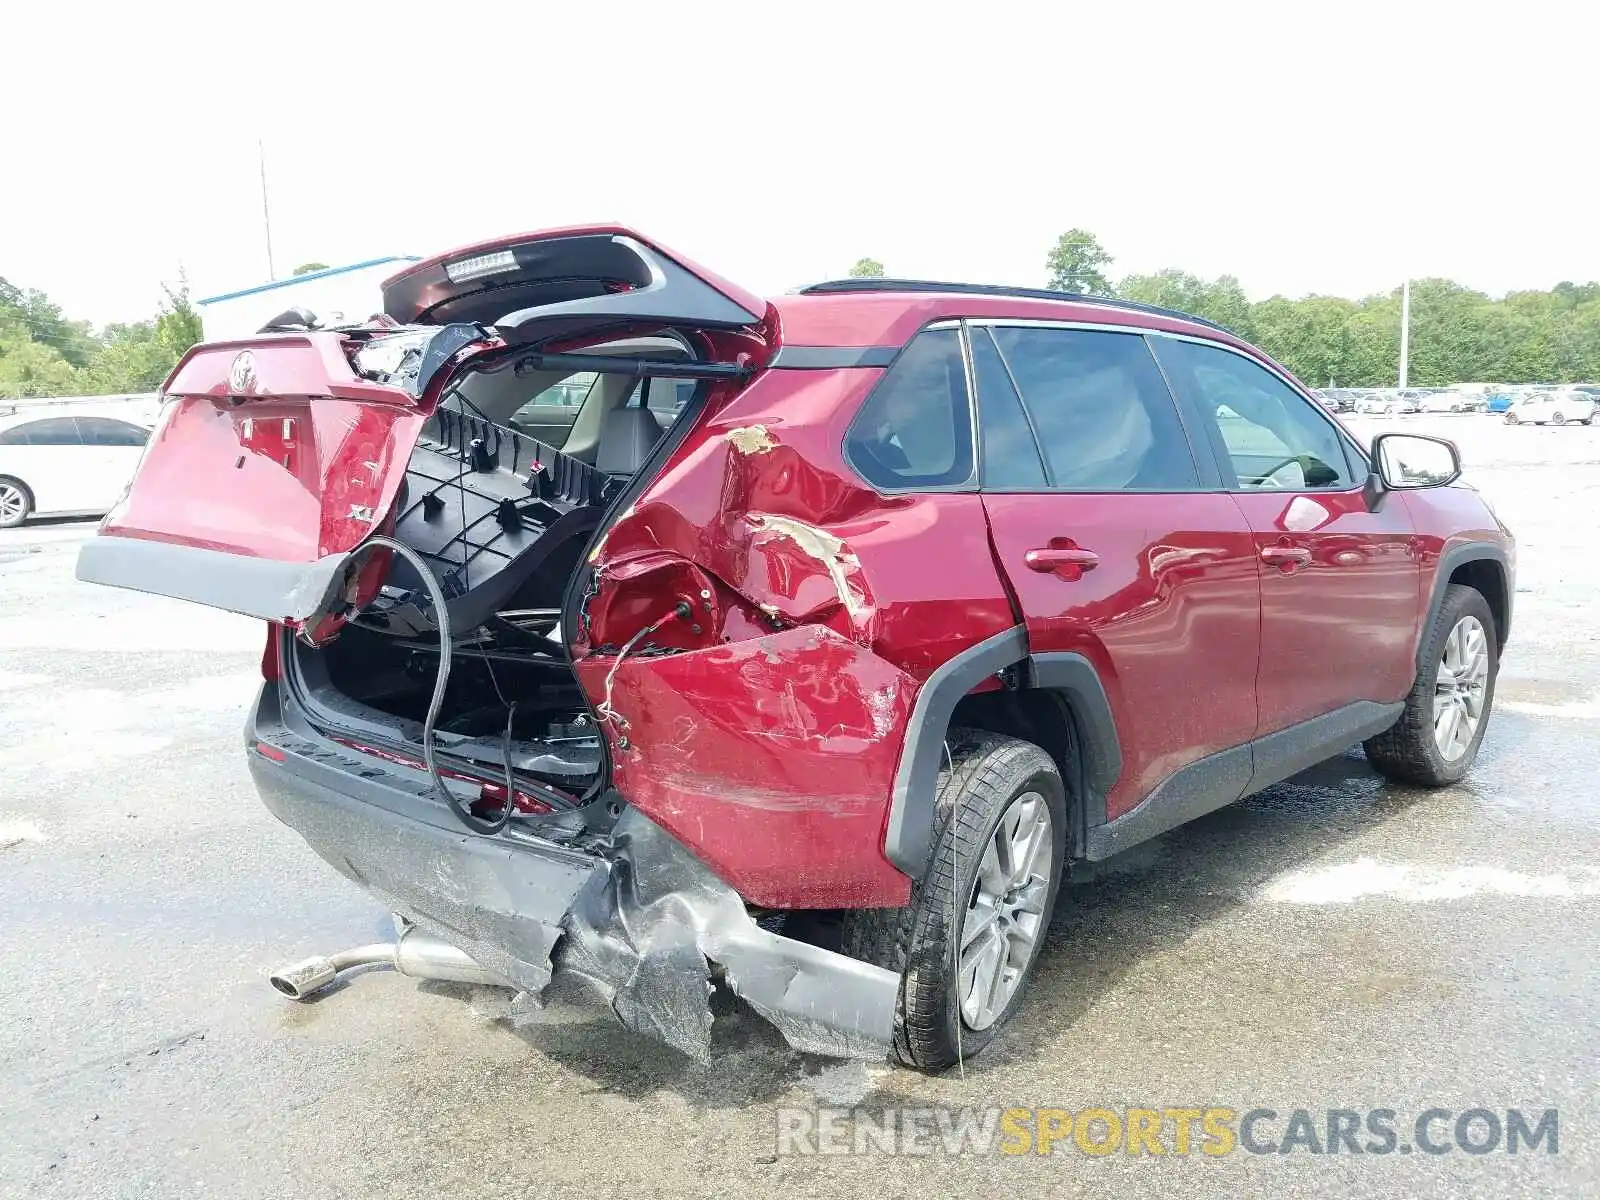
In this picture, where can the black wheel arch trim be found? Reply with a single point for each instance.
(1452, 559)
(1099, 748)
(908, 837)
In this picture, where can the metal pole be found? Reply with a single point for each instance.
(266, 212)
(1405, 331)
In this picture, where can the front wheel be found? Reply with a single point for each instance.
(16, 502)
(967, 945)
(1557, 419)
(1438, 734)
(1513, 419)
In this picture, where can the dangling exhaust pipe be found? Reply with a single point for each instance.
(418, 955)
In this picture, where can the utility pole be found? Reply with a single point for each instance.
(266, 213)
(1405, 331)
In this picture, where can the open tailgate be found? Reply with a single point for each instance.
(275, 458)
(271, 462)
(560, 283)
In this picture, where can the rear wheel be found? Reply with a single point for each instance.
(1437, 737)
(967, 945)
(16, 502)
(1557, 419)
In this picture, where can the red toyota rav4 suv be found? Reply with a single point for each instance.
(621, 622)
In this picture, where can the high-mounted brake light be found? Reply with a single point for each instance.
(479, 265)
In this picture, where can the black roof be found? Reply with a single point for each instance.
(835, 287)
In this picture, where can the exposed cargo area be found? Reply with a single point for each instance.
(509, 481)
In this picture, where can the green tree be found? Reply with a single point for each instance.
(867, 268)
(1077, 263)
(1221, 300)
(29, 368)
(178, 326)
(307, 268)
(133, 358)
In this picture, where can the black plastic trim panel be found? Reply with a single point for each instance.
(826, 358)
(1219, 779)
(910, 829)
(1075, 678)
(1452, 559)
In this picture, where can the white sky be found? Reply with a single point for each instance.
(1303, 146)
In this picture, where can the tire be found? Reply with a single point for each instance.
(1410, 750)
(1513, 419)
(16, 502)
(987, 778)
(1557, 419)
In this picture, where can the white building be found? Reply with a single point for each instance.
(337, 296)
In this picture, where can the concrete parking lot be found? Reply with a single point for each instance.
(1333, 943)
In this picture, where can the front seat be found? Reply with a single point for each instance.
(627, 435)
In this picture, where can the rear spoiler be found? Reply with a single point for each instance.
(566, 283)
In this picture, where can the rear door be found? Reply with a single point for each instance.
(47, 455)
(1120, 545)
(1340, 582)
(111, 453)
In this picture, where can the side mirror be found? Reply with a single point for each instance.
(1406, 461)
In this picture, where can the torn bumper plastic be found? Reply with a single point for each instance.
(643, 922)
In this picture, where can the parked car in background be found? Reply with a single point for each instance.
(65, 465)
(1389, 402)
(1557, 406)
(1448, 400)
(955, 585)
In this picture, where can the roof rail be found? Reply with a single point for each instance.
(837, 287)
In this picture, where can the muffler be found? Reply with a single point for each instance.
(418, 955)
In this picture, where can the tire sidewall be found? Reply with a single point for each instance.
(1045, 780)
(1465, 602)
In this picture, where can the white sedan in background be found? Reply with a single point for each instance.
(65, 466)
(1559, 406)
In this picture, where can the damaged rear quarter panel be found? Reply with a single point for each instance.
(772, 758)
(765, 732)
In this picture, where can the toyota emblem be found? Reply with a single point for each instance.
(242, 376)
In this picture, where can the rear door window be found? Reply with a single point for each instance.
(1100, 408)
(1274, 438)
(915, 429)
(1011, 457)
(53, 431)
(103, 431)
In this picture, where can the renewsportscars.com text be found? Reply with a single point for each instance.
(1176, 1130)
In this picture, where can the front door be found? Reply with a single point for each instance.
(1114, 549)
(1340, 581)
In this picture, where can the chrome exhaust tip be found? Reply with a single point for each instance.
(413, 954)
(305, 978)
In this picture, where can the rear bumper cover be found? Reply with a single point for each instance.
(640, 920)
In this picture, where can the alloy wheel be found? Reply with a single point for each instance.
(13, 504)
(1459, 689)
(1005, 917)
